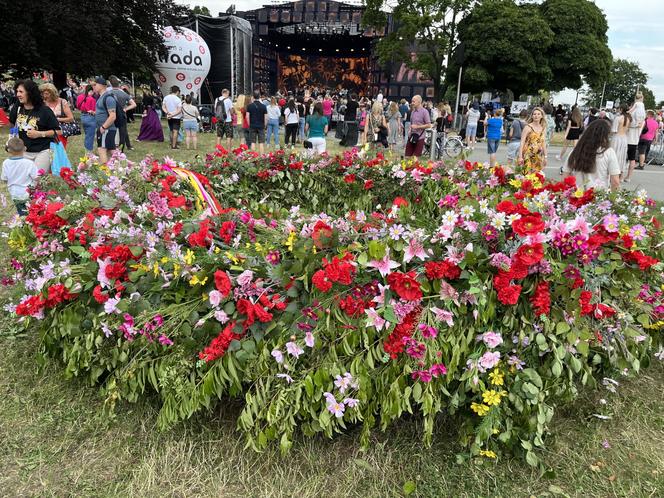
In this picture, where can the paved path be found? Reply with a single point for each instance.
(652, 178)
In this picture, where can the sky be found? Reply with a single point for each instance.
(636, 33)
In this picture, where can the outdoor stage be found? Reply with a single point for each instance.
(315, 43)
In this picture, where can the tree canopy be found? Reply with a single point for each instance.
(424, 33)
(84, 38)
(504, 46)
(621, 83)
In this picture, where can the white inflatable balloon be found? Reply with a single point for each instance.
(187, 63)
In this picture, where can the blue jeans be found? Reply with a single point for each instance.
(273, 131)
(90, 130)
(301, 130)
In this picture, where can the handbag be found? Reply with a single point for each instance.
(68, 129)
(414, 138)
(60, 159)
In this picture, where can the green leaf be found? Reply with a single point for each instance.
(389, 315)
(532, 459)
(562, 327)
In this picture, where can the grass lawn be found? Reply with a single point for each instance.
(57, 442)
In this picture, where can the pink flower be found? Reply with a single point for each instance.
(351, 402)
(438, 370)
(423, 375)
(245, 278)
(293, 349)
(492, 339)
(415, 249)
(278, 356)
(489, 360)
(374, 319)
(287, 377)
(165, 341)
(443, 316)
(309, 339)
(221, 316)
(215, 298)
(385, 265)
(611, 223)
(427, 331)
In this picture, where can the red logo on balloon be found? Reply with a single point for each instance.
(197, 80)
(201, 49)
(162, 78)
(189, 86)
(180, 77)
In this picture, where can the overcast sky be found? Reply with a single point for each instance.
(636, 33)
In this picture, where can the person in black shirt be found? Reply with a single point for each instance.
(36, 123)
(350, 122)
(257, 117)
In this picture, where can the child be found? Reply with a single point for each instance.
(19, 173)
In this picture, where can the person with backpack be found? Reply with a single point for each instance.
(105, 115)
(125, 103)
(256, 115)
(223, 111)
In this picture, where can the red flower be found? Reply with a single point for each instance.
(603, 311)
(584, 303)
(442, 269)
(400, 202)
(530, 254)
(58, 293)
(528, 225)
(252, 312)
(394, 343)
(321, 281)
(368, 184)
(222, 282)
(541, 299)
(518, 270)
(219, 344)
(509, 294)
(32, 306)
(639, 258)
(353, 307)
(405, 285)
(322, 235)
(115, 270)
(99, 295)
(227, 231)
(339, 270)
(349, 178)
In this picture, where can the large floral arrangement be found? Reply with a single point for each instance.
(493, 302)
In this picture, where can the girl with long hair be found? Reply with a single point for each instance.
(594, 159)
(292, 120)
(375, 124)
(574, 124)
(273, 115)
(394, 124)
(532, 153)
(151, 130)
(59, 106)
(619, 128)
(87, 104)
(316, 128)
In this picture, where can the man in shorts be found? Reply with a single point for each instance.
(420, 121)
(172, 107)
(105, 113)
(223, 111)
(515, 136)
(257, 117)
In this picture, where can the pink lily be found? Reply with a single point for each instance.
(385, 265)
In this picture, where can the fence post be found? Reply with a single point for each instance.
(432, 151)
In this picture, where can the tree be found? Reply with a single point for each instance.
(580, 50)
(423, 36)
(621, 83)
(201, 11)
(503, 45)
(85, 38)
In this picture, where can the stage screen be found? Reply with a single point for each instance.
(297, 71)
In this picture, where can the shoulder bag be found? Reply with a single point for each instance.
(68, 129)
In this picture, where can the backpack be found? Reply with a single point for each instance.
(220, 109)
(120, 115)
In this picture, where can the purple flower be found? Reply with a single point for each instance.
(309, 339)
(215, 298)
(351, 402)
(638, 232)
(221, 316)
(245, 278)
(501, 261)
(345, 382)
(611, 223)
(337, 409)
(443, 316)
(438, 369)
(110, 306)
(287, 377)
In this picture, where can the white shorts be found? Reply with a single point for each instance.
(318, 145)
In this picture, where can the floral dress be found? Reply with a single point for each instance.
(533, 155)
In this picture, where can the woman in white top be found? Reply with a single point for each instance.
(292, 120)
(638, 113)
(273, 115)
(190, 116)
(593, 159)
(619, 129)
(472, 117)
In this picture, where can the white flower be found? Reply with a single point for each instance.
(498, 221)
(484, 206)
(467, 211)
(450, 218)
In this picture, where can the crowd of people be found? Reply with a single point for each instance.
(39, 115)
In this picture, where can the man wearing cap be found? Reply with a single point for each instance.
(105, 114)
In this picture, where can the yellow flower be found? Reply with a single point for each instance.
(197, 281)
(488, 454)
(492, 397)
(189, 257)
(480, 409)
(164, 260)
(155, 269)
(176, 270)
(232, 257)
(217, 250)
(578, 194)
(495, 431)
(496, 378)
(290, 241)
(515, 183)
(204, 297)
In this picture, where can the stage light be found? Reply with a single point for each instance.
(288, 48)
(320, 49)
(352, 50)
(337, 50)
(303, 49)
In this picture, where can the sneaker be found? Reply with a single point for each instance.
(627, 180)
(639, 167)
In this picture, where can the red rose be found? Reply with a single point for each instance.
(509, 294)
(349, 178)
(530, 254)
(368, 184)
(541, 299)
(115, 270)
(222, 282)
(528, 225)
(405, 285)
(442, 269)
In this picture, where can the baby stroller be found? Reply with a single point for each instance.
(206, 119)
